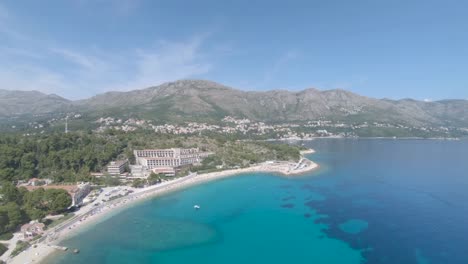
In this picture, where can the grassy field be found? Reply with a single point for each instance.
(6, 236)
(60, 220)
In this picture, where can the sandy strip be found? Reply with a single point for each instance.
(42, 249)
(307, 151)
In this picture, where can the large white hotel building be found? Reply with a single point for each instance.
(174, 157)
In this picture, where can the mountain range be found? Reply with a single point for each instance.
(187, 100)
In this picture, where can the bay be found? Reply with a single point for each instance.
(371, 201)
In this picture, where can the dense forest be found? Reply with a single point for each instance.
(19, 206)
(71, 157)
(61, 157)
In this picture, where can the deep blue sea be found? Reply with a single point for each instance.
(372, 201)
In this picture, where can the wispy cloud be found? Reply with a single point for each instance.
(19, 52)
(8, 26)
(86, 62)
(78, 72)
(125, 7)
(141, 68)
(272, 71)
(13, 78)
(169, 61)
(350, 83)
(117, 7)
(4, 14)
(89, 73)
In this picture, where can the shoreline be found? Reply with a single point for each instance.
(307, 151)
(42, 250)
(357, 138)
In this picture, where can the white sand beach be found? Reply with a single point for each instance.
(307, 151)
(92, 215)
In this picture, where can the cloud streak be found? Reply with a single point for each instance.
(276, 67)
(3, 13)
(13, 78)
(79, 72)
(117, 7)
(84, 61)
(169, 61)
(88, 73)
(6, 27)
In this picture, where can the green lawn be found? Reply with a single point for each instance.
(60, 220)
(20, 247)
(3, 248)
(6, 236)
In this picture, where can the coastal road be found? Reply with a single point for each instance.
(11, 244)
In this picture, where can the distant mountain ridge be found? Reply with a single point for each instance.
(186, 100)
(31, 102)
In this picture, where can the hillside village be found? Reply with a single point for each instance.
(194, 106)
(303, 130)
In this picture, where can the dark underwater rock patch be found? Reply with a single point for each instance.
(288, 198)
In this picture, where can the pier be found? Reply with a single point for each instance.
(59, 247)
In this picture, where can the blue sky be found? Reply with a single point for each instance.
(392, 49)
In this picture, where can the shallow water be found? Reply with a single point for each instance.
(372, 201)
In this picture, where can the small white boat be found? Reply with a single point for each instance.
(196, 207)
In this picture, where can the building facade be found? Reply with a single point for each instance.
(139, 171)
(32, 229)
(166, 171)
(175, 157)
(80, 192)
(117, 167)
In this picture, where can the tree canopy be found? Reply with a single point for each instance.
(18, 206)
(62, 157)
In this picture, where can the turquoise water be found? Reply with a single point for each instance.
(372, 201)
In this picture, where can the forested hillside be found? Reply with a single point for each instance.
(61, 157)
(71, 157)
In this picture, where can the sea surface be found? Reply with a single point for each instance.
(372, 201)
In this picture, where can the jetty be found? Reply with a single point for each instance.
(59, 247)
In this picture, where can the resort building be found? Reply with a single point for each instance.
(32, 229)
(117, 167)
(174, 157)
(80, 192)
(77, 192)
(166, 171)
(37, 182)
(34, 182)
(139, 171)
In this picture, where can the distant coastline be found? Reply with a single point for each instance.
(42, 250)
(341, 137)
